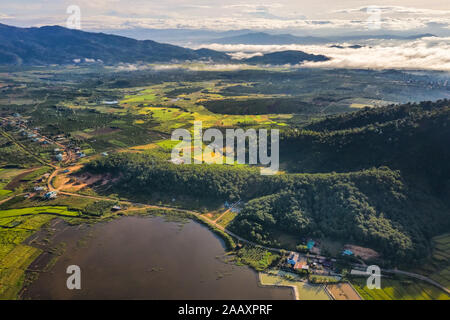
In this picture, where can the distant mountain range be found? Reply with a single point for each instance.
(261, 38)
(179, 36)
(58, 45)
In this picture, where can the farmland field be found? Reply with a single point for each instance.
(437, 267)
(257, 258)
(12, 269)
(399, 290)
(323, 279)
(61, 211)
(15, 256)
(16, 225)
(303, 290)
(343, 291)
(4, 193)
(225, 219)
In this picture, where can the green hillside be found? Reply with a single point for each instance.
(387, 196)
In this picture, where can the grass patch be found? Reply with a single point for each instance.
(61, 211)
(4, 192)
(323, 279)
(37, 173)
(226, 219)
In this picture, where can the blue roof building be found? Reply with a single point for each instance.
(50, 195)
(347, 252)
(293, 257)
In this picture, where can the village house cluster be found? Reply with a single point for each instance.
(64, 149)
(59, 148)
(310, 262)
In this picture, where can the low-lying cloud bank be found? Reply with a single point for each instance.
(195, 66)
(430, 53)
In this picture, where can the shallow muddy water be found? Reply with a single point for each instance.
(148, 258)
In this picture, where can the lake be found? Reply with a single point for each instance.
(139, 257)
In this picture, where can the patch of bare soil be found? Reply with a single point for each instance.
(75, 183)
(343, 291)
(364, 253)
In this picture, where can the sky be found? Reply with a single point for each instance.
(140, 18)
(310, 17)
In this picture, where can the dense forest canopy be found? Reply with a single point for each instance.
(412, 138)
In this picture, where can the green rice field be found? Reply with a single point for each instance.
(393, 289)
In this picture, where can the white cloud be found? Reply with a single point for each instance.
(190, 67)
(254, 6)
(395, 9)
(256, 23)
(196, 6)
(319, 15)
(5, 16)
(97, 4)
(427, 54)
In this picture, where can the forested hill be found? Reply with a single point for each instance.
(412, 138)
(368, 116)
(285, 57)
